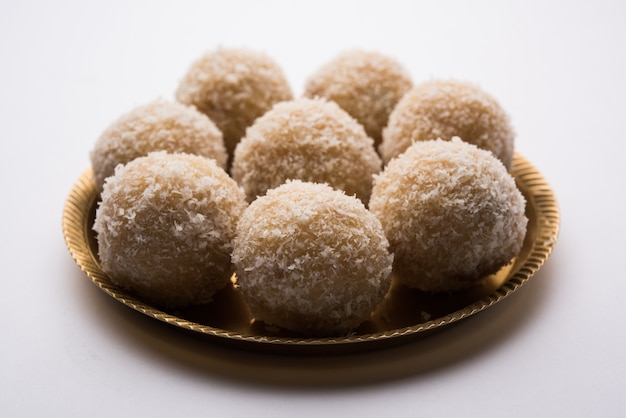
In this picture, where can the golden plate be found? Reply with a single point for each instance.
(405, 313)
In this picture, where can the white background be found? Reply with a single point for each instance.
(555, 348)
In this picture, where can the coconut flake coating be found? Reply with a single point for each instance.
(451, 212)
(233, 87)
(306, 139)
(440, 109)
(311, 259)
(156, 126)
(367, 85)
(165, 228)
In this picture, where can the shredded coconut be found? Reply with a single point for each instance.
(306, 139)
(451, 212)
(156, 126)
(233, 87)
(367, 85)
(165, 227)
(322, 273)
(440, 109)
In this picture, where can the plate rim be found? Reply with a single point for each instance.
(529, 180)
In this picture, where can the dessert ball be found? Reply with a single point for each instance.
(451, 212)
(311, 259)
(367, 85)
(165, 228)
(157, 126)
(233, 87)
(307, 139)
(444, 109)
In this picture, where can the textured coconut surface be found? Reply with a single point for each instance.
(452, 214)
(306, 139)
(234, 87)
(366, 84)
(311, 259)
(157, 126)
(442, 109)
(165, 227)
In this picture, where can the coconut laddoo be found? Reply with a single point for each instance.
(441, 109)
(156, 126)
(165, 228)
(233, 87)
(366, 84)
(311, 259)
(452, 214)
(307, 139)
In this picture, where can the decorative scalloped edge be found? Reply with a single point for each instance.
(539, 195)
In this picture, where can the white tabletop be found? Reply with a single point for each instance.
(554, 348)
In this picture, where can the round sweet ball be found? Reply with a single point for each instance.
(440, 109)
(311, 259)
(234, 87)
(165, 228)
(306, 139)
(452, 214)
(366, 84)
(156, 126)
